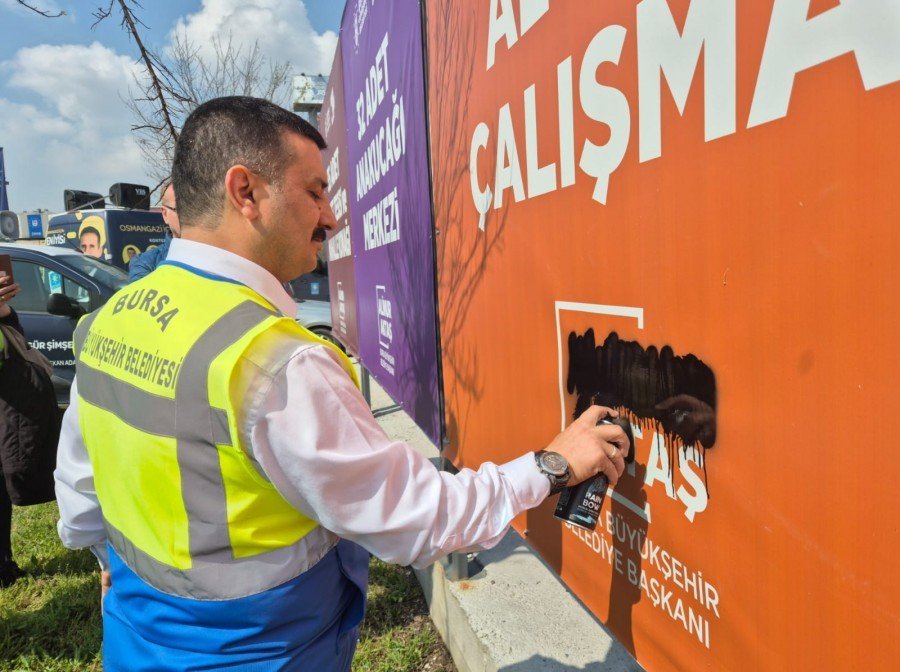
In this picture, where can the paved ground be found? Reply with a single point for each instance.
(512, 614)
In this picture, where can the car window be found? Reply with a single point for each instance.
(38, 282)
(76, 292)
(105, 274)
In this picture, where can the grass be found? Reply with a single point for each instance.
(50, 618)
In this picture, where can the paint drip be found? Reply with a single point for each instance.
(674, 395)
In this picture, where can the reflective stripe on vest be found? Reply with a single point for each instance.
(189, 541)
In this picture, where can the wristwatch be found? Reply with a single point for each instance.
(555, 467)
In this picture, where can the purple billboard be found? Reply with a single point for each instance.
(341, 275)
(390, 203)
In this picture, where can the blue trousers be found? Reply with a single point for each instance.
(309, 623)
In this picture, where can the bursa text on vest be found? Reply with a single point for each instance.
(151, 302)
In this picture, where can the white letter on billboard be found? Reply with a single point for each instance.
(711, 27)
(868, 28)
(530, 12)
(696, 501)
(509, 170)
(606, 105)
(500, 26)
(566, 123)
(481, 198)
(541, 180)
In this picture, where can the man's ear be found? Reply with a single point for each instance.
(241, 186)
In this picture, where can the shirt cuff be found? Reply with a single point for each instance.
(530, 485)
(101, 552)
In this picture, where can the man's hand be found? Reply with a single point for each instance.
(105, 585)
(7, 293)
(590, 448)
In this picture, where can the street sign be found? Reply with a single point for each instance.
(35, 226)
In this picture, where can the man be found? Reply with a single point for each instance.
(9, 570)
(225, 457)
(90, 242)
(29, 425)
(148, 260)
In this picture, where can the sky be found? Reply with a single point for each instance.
(63, 122)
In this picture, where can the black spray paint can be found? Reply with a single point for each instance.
(580, 505)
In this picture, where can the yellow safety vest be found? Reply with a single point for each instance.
(163, 370)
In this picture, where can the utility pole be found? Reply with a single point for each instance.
(4, 201)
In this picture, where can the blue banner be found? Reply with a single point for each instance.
(35, 226)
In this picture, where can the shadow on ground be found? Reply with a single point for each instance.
(545, 664)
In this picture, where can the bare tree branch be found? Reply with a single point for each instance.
(150, 64)
(177, 80)
(190, 75)
(42, 12)
(100, 14)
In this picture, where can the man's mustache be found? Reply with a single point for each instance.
(319, 233)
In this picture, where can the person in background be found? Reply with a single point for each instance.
(147, 261)
(9, 570)
(90, 242)
(235, 484)
(29, 426)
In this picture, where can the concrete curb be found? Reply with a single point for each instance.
(513, 614)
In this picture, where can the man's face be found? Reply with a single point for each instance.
(90, 244)
(298, 214)
(169, 211)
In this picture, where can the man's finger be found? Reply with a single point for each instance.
(609, 468)
(594, 414)
(618, 460)
(615, 435)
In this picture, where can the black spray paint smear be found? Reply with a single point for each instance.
(657, 388)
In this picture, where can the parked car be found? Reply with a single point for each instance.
(316, 316)
(59, 285)
(312, 286)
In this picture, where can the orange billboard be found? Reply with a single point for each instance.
(688, 210)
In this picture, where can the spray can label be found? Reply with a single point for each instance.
(580, 505)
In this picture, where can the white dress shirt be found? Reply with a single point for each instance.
(316, 439)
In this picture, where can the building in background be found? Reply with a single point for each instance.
(308, 95)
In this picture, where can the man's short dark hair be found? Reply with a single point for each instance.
(89, 229)
(225, 132)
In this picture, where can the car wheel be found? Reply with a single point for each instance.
(325, 332)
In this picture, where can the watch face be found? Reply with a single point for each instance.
(554, 463)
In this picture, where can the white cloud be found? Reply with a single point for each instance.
(77, 132)
(65, 123)
(83, 83)
(281, 27)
